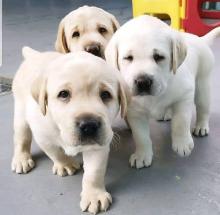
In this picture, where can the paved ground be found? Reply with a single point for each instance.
(172, 186)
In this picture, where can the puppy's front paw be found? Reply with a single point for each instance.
(183, 147)
(201, 130)
(22, 163)
(95, 200)
(141, 159)
(65, 168)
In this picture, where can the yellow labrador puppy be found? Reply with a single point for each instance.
(88, 29)
(68, 103)
(164, 69)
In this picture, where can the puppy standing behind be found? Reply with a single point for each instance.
(68, 103)
(164, 69)
(86, 29)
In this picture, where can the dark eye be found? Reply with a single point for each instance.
(129, 58)
(105, 95)
(64, 94)
(76, 34)
(158, 57)
(102, 30)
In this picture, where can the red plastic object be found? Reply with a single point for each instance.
(211, 14)
(193, 23)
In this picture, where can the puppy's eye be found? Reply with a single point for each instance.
(64, 94)
(76, 34)
(102, 30)
(105, 95)
(158, 57)
(129, 58)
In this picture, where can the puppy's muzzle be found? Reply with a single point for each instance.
(88, 127)
(94, 49)
(143, 84)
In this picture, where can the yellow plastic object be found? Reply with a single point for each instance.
(175, 9)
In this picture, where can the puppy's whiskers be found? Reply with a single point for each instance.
(115, 141)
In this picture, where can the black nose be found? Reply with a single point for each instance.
(94, 49)
(89, 126)
(143, 84)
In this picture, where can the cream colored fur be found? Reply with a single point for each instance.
(52, 120)
(180, 79)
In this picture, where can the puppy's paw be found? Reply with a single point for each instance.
(95, 200)
(66, 168)
(183, 147)
(141, 159)
(201, 130)
(22, 163)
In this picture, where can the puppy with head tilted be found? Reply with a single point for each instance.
(86, 28)
(68, 103)
(164, 69)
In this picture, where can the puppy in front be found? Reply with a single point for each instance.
(68, 102)
(86, 29)
(166, 71)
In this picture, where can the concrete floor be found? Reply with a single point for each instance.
(171, 186)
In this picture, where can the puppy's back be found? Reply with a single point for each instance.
(31, 68)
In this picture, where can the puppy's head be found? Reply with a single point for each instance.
(148, 53)
(88, 29)
(82, 95)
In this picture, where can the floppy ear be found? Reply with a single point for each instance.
(115, 23)
(124, 97)
(61, 43)
(111, 53)
(38, 92)
(179, 51)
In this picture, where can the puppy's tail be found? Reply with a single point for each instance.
(29, 52)
(211, 36)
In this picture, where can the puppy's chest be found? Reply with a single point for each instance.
(157, 111)
(152, 108)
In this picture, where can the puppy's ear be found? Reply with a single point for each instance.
(115, 23)
(124, 97)
(61, 43)
(111, 53)
(178, 51)
(38, 92)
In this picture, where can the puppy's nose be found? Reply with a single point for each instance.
(143, 84)
(89, 126)
(94, 49)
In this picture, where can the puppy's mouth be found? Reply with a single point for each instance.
(141, 94)
(88, 141)
(87, 145)
(74, 149)
(150, 92)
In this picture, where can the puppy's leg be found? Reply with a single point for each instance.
(182, 141)
(143, 153)
(94, 196)
(202, 94)
(22, 161)
(63, 164)
(202, 101)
